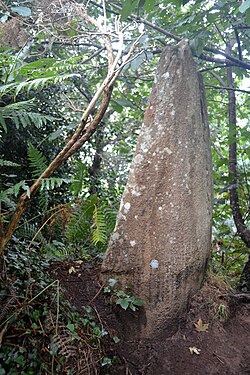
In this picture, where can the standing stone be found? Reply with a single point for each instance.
(161, 242)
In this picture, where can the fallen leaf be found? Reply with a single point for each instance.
(2, 333)
(194, 350)
(79, 262)
(72, 270)
(200, 326)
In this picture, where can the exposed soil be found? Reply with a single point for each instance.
(222, 348)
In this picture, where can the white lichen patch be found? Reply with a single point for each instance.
(115, 236)
(135, 193)
(154, 263)
(132, 243)
(127, 206)
(165, 75)
(167, 151)
(138, 159)
(144, 148)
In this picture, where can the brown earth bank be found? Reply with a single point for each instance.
(214, 337)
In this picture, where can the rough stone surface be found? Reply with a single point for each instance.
(162, 238)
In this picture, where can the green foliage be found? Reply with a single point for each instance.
(34, 84)
(38, 162)
(121, 298)
(99, 226)
(35, 317)
(79, 179)
(14, 190)
(21, 114)
(90, 223)
(220, 311)
(7, 163)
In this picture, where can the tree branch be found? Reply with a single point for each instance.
(82, 134)
(242, 229)
(227, 88)
(178, 39)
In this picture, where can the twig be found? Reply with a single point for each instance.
(97, 294)
(218, 357)
(39, 230)
(178, 39)
(212, 68)
(218, 78)
(227, 88)
(98, 316)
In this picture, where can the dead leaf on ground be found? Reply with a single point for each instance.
(194, 350)
(2, 333)
(200, 326)
(79, 262)
(72, 270)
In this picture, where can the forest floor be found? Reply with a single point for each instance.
(218, 344)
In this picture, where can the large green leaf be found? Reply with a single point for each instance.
(149, 5)
(128, 7)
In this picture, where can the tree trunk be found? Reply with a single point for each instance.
(239, 221)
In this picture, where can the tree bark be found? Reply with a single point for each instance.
(239, 221)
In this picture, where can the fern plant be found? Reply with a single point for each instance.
(23, 114)
(7, 163)
(38, 162)
(90, 225)
(99, 234)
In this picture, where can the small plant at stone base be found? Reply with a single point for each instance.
(40, 332)
(220, 311)
(121, 298)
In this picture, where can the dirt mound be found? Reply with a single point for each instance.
(213, 339)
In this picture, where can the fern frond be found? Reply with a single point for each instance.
(38, 161)
(99, 226)
(52, 182)
(28, 231)
(6, 195)
(13, 190)
(7, 163)
(63, 345)
(43, 199)
(9, 204)
(110, 218)
(22, 115)
(35, 84)
(78, 178)
(76, 229)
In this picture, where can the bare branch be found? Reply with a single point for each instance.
(227, 88)
(238, 44)
(219, 79)
(178, 39)
(84, 131)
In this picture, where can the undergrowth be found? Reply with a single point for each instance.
(40, 332)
